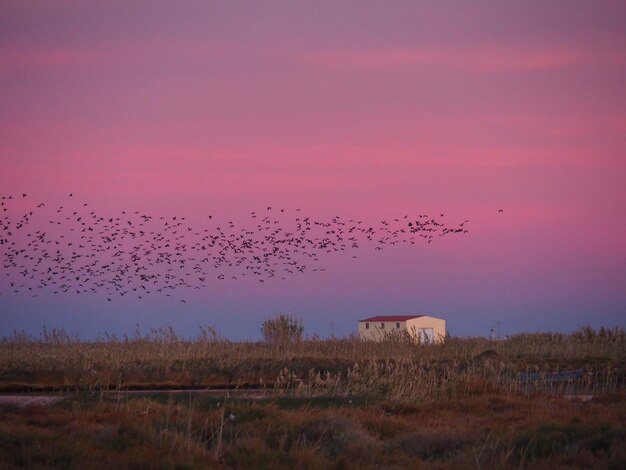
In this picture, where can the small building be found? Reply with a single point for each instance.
(423, 328)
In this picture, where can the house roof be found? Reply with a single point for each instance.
(391, 318)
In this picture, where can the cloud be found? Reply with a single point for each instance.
(16, 60)
(477, 58)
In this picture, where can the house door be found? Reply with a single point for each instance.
(426, 335)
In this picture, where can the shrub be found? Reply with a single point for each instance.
(552, 438)
(282, 329)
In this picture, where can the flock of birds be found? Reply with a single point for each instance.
(73, 249)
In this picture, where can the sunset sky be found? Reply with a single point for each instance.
(365, 109)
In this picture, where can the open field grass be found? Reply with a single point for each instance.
(397, 369)
(533, 400)
(487, 431)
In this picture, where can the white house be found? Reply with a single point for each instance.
(424, 328)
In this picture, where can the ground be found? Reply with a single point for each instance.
(532, 401)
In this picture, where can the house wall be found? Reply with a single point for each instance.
(375, 331)
(437, 324)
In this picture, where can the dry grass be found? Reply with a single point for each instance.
(397, 369)
(340, 403)
(489, 431)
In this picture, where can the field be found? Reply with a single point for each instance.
(532, 400)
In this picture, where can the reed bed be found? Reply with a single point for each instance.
(328, 403)
(395, 369)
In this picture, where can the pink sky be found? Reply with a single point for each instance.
(365, 109)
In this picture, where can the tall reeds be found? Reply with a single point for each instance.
(396, 368)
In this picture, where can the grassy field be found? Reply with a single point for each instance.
(532, 400)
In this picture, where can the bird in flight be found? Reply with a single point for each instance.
(76, 250)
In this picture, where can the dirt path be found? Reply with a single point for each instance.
(26, 400)
(48, 399)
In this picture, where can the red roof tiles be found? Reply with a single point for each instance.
(382, 318)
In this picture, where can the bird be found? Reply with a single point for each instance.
(130, 251)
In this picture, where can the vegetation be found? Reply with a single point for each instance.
(282, 329)
(394, 369)
(193, 431)
(312, 403)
